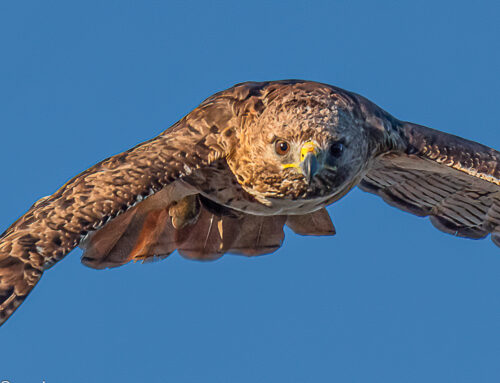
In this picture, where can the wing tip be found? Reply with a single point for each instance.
(10, 302)
(495, 237)
(15, 285)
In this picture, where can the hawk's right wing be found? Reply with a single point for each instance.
(56, 224)
(122, 208)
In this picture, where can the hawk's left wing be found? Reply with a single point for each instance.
(454, 181)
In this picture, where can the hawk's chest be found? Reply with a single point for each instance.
(220, 185)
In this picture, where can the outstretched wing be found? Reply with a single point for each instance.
(454, 181)
(56, 224)
(143, 205)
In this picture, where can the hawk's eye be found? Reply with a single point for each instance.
(281, 147)
(336, 149)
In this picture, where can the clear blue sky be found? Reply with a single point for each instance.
(389, 299)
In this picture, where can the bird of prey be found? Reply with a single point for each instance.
(229, 175)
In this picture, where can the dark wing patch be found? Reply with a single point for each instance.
(453, 181)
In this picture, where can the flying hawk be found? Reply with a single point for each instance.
(228, 176)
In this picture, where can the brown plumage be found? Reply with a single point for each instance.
(249, 160)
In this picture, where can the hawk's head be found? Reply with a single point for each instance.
(303, 144)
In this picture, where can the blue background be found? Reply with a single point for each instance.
(389, 299)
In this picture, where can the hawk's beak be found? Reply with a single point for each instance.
(309, 160)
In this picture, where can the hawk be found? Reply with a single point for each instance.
(229, 175)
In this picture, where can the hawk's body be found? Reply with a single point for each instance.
(234, 171)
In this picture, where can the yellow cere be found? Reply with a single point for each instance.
(309, 147)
